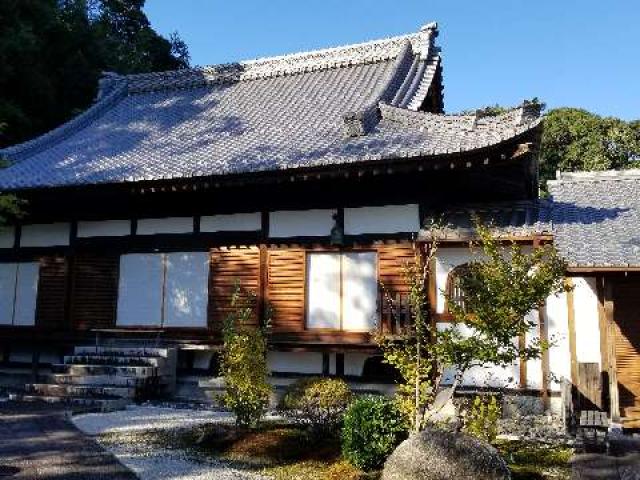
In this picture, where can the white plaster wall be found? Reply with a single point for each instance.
(385, 219)
(354, 363)
(153, 226)
(237, 222)
(302, 223)
(558, 332)
(7, 237)
(493, 376)
(106, 228)
(585, 302)
(534, 367)
(45, 235)
(295, 362)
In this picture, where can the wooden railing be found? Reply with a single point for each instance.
(395, 313)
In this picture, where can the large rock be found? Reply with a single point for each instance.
(441, 455)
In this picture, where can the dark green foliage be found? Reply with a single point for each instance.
(52, 53)
(373, 428)
(575, 139)
(318, 403)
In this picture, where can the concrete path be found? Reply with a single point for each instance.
(39, 442)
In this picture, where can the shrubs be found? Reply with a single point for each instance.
(318, 403)
(373, 427)
(244, 363)
(482, 418)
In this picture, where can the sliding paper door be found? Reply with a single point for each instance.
(140, 290)
(186, 290)
(26, 294)
(359, 291)
(8, 273)
(323, 290)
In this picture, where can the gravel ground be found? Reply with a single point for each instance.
(122, 433)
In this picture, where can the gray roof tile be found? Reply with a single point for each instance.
(596, 218)
(334, 106)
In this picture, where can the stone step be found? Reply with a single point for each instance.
(98, 404)
(114, 360)
(123, 371)
(89, 391)
(105, 380)
(122, 351)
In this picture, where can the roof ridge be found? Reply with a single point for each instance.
(371, 51)
(520, 116)
(595, 176)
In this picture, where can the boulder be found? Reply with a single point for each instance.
(442, 455)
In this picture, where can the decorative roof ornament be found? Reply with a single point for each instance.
(427, 36)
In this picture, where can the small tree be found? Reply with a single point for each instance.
(409, 350)
(244, 361)
(500, 290)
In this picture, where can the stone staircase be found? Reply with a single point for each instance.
(107, 378)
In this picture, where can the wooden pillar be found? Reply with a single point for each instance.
(543, 332)
(340, 364)
(522, 344)
(326, 362)
(35, 363)
(614, 399)
(571, 320)
(604, 343)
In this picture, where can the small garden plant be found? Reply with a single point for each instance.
(482, 418)
(373, 428)
(244, 362)
(318, 403)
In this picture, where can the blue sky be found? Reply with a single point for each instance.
(583, 53)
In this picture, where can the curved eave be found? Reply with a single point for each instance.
(506, 150)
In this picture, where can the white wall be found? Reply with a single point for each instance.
(106, 228)
(237, 222)
(558, 332)
(7, 237)
(295, 362)
(585, 302)
(301, 223)
(493, 376)
(385, 219)
(153, 226)
(45, 235)
(354, 363)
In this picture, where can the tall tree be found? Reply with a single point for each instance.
(575, 139)
(52, 53)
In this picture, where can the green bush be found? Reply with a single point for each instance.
(482, 418)
(318, 403)
(244, 363)
(373, 428)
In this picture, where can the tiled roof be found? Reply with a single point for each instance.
(506, 219)
(596, 218)
(342, 105)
